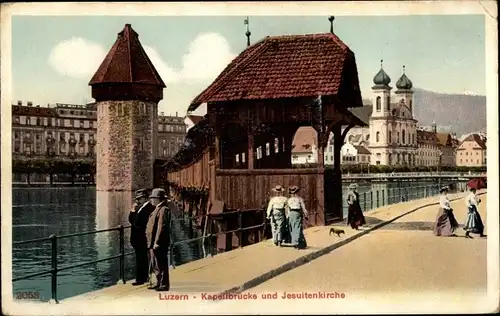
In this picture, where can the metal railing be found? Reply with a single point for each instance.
(55, 269)
(413, 174)
(378, 198)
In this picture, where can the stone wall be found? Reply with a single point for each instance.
(126, 145)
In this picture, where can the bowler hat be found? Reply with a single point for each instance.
(141, 193)
(293, 189)
(158, 193)
(278, 188)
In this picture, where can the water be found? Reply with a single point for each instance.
(40, 212)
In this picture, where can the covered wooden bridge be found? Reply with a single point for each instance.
(242, 147)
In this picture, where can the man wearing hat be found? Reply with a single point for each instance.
(276, 213)
(158, 239)
(138, 218)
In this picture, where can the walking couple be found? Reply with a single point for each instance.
(150, 237)
(286, 216)
(446, 223)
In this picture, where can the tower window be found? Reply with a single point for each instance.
(390, 137)
(403, 138)
(377, 137)
(378, 103)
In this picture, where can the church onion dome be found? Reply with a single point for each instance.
(381, 78)
(404, 83)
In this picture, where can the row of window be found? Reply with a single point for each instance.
(50, 121)
(406, 138)
(472, 161)
(467, 153)
(171, 128)
(63, 149)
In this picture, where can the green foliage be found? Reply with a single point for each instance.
(53, 166)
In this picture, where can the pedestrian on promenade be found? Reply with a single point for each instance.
(158, 239)
(446, 224)
(138, 218)
(355, 216)
(296, 213)
(276, 213)
(473, 222)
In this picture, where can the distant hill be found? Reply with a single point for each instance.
(459, 113)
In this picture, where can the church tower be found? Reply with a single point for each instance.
(127, 89)
(380, 134)
(404, 92)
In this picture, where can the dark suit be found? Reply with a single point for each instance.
(139, 220)
(158, 241)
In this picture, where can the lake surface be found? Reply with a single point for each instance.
(40, 212)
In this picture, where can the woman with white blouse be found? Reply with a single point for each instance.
(446, 224)
(473, 222)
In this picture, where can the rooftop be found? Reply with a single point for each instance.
(287, 66)
(127, 62)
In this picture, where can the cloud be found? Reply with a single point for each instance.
(208, 54)
(76, 57)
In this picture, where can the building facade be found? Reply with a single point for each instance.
(472, 151)
(68, 131)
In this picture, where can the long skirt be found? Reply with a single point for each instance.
(355, 216)
(446, 224)
(296, 229)
(279, 221)
(473, 222)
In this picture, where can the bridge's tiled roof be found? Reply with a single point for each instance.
(287, 67)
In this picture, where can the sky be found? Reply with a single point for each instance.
(54, 57)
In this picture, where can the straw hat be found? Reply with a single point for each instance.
(445, 188)
(141, 193)
(278, 188)
(158, 193)
(293, 189)
(353, 186)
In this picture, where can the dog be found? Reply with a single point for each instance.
(337, 231)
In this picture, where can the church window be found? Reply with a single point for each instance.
(390, 137)
(388, 102)
(397, 139)
(410, 104)
(377, 137)
(378, 103)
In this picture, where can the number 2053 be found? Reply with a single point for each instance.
(27, 295)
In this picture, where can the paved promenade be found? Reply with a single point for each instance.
(242, 269)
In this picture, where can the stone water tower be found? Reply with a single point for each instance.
(127, 89)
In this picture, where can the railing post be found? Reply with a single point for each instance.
(364, 200)
(371, 200)
(378, 204)
(240, 225)
(383, 197)
(53, 241)
(122, 254)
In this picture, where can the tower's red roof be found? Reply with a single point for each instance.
(285, 67)
(127, 62)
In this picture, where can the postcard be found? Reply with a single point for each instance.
(249, 158)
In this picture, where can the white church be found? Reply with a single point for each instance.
(392, 137)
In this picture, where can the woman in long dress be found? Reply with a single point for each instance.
(473, 222)
(276, 214)
(355, 216)
(296, 213)
(446, 224)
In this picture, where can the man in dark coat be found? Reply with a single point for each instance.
(158, 239)
(138, 218)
